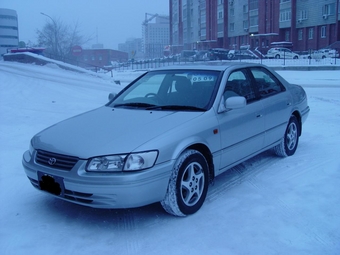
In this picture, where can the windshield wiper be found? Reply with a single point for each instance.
(176, 107)
(135, 105)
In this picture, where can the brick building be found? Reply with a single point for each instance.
(301, 24)
(94, 58)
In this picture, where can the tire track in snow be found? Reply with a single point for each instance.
(239, 173)
(248, 172)
(127, 224)
(290, 214)
(332, 101)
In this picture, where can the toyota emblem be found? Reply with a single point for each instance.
(52, 161)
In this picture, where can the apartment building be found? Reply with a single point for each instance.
(155, 35)
(299, 24)
(9, 35)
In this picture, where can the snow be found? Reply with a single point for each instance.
(267, 205)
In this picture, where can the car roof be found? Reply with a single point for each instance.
(213, 66)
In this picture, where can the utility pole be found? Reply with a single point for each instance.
(55, 45)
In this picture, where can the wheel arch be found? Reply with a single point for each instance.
(298, 117)
(202, 148)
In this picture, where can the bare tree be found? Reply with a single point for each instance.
(59, 38)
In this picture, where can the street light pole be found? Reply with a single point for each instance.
(55, 45)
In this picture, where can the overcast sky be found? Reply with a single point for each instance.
(113, 21)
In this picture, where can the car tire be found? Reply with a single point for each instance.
(296, 57)
(277, 56)
(188, 184)
(289, 142)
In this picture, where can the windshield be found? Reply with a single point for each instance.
(188, 90)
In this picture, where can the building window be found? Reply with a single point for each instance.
(245, 8)
(254, 21)
(285, 15)
(328, 9)
(323, 32)
(220, 15)
(303, 15)
(300, 34)
(232, 26)
(310, 33)
(8, 17)
(253, 4)
(284, 1)
(9, 36)
(232, 11)
(287, 36)
(245, 24)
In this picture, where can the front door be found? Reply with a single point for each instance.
(242, 130)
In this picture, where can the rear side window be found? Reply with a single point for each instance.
(266, 83)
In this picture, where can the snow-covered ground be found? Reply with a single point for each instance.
(267, 205)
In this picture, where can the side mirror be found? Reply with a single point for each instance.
(112, 96)
(235, 102)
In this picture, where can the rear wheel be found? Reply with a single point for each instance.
(277, 56)
(188, 184)
(290, 141)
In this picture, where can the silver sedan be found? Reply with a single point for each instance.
(167, 135)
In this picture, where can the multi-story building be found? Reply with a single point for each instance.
(155, 35)
(9, 35)
(299, 24)
(132, 46)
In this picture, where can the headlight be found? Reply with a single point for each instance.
(118, 163)
(141, 160)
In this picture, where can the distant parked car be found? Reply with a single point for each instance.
(167, 135)
(241, 54)
(218, 54)
(201, 55)
(188, 55)
(281, 53)
(323, 53)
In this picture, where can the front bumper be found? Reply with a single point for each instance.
(100, 190)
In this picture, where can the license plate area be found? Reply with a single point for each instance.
(51, 184)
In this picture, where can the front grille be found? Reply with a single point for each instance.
(54, 160)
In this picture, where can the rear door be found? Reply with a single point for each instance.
(277, 103)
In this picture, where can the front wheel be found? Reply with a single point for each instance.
(188, 184)
(290, 141)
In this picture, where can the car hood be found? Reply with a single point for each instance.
(107, 130)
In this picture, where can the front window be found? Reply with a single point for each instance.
(238, 84)
(170, 90)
